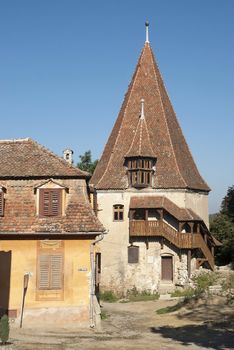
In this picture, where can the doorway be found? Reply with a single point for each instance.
(167, 268)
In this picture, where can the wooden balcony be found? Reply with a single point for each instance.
(144, 228)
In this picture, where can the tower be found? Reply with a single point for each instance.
(150, 194)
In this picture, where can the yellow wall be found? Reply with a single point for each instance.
(76, 274)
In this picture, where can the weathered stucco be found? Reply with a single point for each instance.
(75, 302)
(117, 273)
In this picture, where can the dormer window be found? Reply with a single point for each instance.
(51, 197)
(140, 171)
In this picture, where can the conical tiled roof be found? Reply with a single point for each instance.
(175, 165)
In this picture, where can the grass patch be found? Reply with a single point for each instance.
(187, 293)
(108, 296)
(168, 309)
(145, 295)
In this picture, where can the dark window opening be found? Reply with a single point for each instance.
(139, 214)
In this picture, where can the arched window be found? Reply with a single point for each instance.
(118, 212)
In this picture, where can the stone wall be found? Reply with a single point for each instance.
(117, 274)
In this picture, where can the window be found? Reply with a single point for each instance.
(50, 270)
(1, 203)
(140, 172)
(50, 202)
(50, 274)
(133, 254)
(118, 212)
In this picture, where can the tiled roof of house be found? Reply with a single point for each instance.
(161, 202)
(23, 158)
(175, 166)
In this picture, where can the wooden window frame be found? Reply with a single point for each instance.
(118, 212)
(49, 209)
(140, 172)
(1, 203)
(55, 249)
(134, 258)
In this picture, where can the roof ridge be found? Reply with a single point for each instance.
(15, 140)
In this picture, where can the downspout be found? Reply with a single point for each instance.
(92, 279)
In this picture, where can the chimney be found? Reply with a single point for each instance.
(68, 155)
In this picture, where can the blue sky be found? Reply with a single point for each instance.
(65, 66)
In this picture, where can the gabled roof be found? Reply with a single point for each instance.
(141, 145)
(23, 158)
(162, 202)
(175, 165)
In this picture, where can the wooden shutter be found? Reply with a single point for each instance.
(133, 254)
(51, 271)
(50, 202)
(56, 276)
(44, 272)
(1, 204)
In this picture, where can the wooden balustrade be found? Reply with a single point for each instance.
(143, 228)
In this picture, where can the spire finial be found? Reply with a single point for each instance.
(142, 109)
(147, 31)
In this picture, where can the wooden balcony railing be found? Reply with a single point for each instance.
(144, 228)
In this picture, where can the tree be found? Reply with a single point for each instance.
(227, 206)
(86, 163)
(222, 227)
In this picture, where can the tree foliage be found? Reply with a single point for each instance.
(222, 227)
(86, 163)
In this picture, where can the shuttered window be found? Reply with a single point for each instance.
(1, 203)
(133, 254)
(50, 272)
(50, 202)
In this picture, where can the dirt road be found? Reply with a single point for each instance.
(137, 326)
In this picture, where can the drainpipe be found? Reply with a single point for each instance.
(92, 287)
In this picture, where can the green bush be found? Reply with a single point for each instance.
(203, 281)
(228, 287)
(4, 329)
(108, 296)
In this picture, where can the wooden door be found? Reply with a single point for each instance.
(167, 268)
